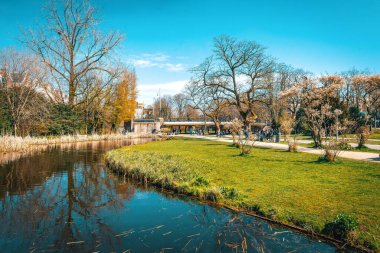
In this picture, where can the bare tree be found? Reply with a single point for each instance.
(179, 103)
(163, 107)
(73, 49)
(238, 69)
(209, 100)
(23, 77)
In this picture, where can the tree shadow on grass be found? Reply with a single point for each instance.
(322, 160)
(213, 144)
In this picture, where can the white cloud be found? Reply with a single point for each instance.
(158, 60)
(175, 67)
(160, 57)
(148, 92)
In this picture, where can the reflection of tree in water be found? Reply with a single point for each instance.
(54, 198)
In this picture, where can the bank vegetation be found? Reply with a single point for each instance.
(336, 199)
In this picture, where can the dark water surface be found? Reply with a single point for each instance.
(62, 199)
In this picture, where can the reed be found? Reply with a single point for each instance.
(9, 143)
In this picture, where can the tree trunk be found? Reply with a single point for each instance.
(71, 94)
(14, 129)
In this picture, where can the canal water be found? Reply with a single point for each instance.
(63, 199)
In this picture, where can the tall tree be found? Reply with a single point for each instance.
(318, 98)
(163, 107)
(73, 49)
(126, 95)
(179, 103)
(238, 69)
(23, 76)
(208, 100)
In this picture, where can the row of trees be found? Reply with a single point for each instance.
(243, 78)
(66, 80)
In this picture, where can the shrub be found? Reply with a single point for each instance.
(343, 145)
(257, 209)
(246, 144)
(229, 192)
(331, 150)
(292, 146)
(201, 181)
(212, 194)
(64, 120)
(362, 135)
(340, 227)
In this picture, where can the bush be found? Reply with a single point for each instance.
(257, 209)
(64, 120)
(199, 181)
(229, 192)
(340, 227)
(292, 146)
(362, 135)
(212, 194)
(331, 150)
(345, 146)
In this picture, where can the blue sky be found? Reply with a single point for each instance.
(164, 38)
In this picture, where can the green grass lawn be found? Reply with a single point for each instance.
(289, 187)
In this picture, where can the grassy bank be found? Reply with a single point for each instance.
(9, 143)
(289, 187)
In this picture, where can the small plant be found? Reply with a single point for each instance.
(229, 193)
(287, 124)
(292, 146)
(212, 194)
(246, 144)
(331, 150)
(235, 128)
(199, 181)
(341, 226)
(362, 135)
(257, 209)
(344, 145)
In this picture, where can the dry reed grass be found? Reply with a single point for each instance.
(9, 143)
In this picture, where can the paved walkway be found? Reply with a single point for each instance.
(371, 146)
(364, 156)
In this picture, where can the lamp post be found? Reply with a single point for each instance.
(337, 112)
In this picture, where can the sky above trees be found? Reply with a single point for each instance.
(164, 39)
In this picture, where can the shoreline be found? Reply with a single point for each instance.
(148, 167)
(341, 245)
(16, 144)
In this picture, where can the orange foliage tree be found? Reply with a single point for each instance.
(121, 102)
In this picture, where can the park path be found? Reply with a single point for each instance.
(363, 156)
(371, 146)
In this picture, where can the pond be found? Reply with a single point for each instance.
(63, 199)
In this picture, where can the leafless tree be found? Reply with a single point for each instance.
(208, 99)
(73, 49)
(179, 103)
(163, 107)
(24, 77)
(238, 69)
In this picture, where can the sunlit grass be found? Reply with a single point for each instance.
(289, 187)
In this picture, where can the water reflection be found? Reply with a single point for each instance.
(62, 199)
